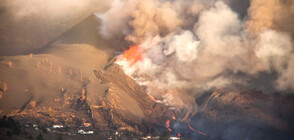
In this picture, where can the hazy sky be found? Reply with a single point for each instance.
(28, 25)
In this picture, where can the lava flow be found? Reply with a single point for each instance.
(196, 130)
(152, 98)
(167, 124)
(133, 54)
(174, 116)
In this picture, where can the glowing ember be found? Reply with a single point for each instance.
(167, 124)
(152, 98)
(201, 133)
(174, 116)
(191, 127)
(133, 55)
(83, 94)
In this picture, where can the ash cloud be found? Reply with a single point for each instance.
(193, 46)
(274, 14)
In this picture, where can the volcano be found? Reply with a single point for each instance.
(74, 83)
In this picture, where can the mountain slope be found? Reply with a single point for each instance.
(59, 85)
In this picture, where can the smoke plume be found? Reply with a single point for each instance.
(188, 47)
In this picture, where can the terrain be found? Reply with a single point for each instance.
(74, 81)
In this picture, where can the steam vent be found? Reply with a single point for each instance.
(147, 70)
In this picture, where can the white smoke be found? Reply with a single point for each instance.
(273, 49)
(196, 45)
(184, 46)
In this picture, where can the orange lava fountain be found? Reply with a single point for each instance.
(133, 54)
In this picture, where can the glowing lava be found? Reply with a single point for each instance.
(133, 54)
(174, 116)
(167, 124)
(152, 98)
(196, 130)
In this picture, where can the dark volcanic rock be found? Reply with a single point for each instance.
(242, 114)
(125, 104)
